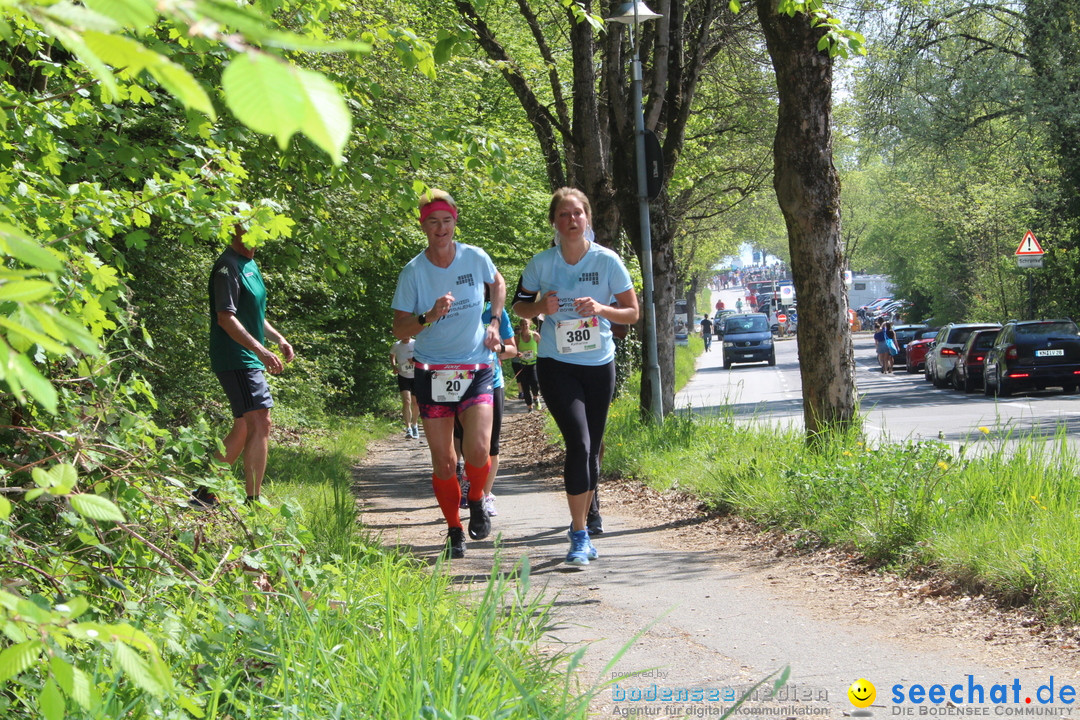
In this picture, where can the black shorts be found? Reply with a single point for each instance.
(404, 384)
(246, 389)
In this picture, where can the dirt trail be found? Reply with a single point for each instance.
(722, 604)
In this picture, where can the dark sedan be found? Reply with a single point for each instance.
(968, 374)
(1033, 354)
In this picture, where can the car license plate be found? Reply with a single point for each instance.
(1049, 353)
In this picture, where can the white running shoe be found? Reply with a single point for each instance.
(489, 505)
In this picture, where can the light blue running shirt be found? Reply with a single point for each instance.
(458, 336)
(506, 332)
(600, 274)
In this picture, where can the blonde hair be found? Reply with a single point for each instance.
(434, 194)
(568, 192)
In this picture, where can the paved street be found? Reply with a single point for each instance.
(898, 406)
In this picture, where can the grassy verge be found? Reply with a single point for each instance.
(385, 637)
(284, 610)
(1002, 522)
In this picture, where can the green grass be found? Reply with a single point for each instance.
(380, 635)
(290, 610)
(1000, 520)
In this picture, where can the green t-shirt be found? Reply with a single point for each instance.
(528, 350)
(236, 286)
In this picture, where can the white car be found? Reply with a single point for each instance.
(941, 360)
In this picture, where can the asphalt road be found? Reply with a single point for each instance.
(899, 406)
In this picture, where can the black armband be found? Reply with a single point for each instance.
(523, 295)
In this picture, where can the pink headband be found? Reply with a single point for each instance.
(437, 205)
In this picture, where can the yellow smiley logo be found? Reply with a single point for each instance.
(862, 693)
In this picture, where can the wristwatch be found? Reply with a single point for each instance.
(422, 319)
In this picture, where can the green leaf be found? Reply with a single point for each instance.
(79, 18)
(17, 658)
(33, 336)
(188, 704)
(136, 14)
(41, 477)
(136, 669)
(120, 52)
(74, 42)
(181, 85)
(266, 95)
(36, 384)
(25, 290)
(136, 239)
(76, 606)
(734, 6)
(62, 670)
(65, 477)
(5, 508)
(76, 334)
(444, 46)
(72, 681)
(292, 41)
(15, 243)
(328, 122)
(96, 507)
(51, 702)
(81, 690)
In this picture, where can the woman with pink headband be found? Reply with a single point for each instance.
(439, 300)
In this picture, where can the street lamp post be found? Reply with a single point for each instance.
(633, 14)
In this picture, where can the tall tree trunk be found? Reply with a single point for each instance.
(808, 191)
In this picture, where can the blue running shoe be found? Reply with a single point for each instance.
(579, 548)
(590, 550)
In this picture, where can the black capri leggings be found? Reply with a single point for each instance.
(578, 397)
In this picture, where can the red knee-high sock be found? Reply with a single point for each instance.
(477, 479)
(448, 493)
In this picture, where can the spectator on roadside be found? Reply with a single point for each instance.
(881, 347)
(706, 331)
(239, 358)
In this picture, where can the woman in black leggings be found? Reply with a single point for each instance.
(576, 284)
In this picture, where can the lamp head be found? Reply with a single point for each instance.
(633, 13)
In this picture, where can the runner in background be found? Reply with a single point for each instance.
(525, 371)
(574, 284)
(439, 300)
(401, 356)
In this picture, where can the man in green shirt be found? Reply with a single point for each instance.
(238, 329)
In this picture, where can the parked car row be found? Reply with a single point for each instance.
(882, 309)
(1021, 354)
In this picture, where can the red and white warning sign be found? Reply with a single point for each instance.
(1029, 245)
